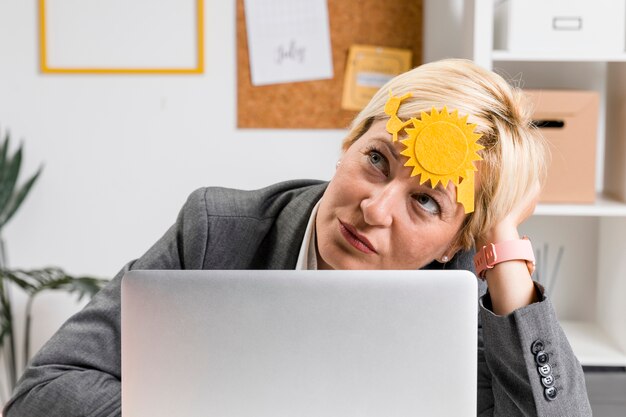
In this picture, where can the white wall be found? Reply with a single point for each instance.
(443, 29)
(121, 153)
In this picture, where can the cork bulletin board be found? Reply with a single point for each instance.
(317, 104)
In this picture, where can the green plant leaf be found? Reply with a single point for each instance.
(5, 323)
(35, 281)
(9, 180)
(81, 286)
(18, 278)
(3, 154)
(5, 327)
(15, 203)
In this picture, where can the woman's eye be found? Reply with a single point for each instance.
(428, 203)
(379, 161)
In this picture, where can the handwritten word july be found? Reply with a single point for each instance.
(290, 53)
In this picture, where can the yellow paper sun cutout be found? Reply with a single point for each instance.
(441, 147)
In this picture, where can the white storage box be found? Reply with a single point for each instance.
(561, 27)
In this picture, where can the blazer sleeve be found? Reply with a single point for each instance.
(77, 372)
(526, 366)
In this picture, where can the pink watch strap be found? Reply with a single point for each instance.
(494, 253)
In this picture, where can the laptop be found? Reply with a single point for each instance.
(299, 343)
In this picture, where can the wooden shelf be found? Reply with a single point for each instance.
(592, 345)
(504, 55)
(604, 206)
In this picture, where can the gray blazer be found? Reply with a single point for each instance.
(77, 373)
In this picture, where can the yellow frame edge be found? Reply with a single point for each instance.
(43, 52)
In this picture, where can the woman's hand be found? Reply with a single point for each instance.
(506, 228)
(510, 284)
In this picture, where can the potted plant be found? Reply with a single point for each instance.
(32, 282)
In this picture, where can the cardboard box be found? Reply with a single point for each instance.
(568, 119)
(570, 27)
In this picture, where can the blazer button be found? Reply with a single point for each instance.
(544, 370)
(550, 393)
(547, 381)
(537, 346)
(542, 358)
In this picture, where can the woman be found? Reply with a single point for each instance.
(406, 194)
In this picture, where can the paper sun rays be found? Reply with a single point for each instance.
(441, 147)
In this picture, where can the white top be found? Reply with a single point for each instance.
(307, 258)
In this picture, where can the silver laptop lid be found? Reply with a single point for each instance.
(299, 343)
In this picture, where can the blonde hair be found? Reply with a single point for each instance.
(515, 154)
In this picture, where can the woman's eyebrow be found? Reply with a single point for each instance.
(445, 192)
(392, 149)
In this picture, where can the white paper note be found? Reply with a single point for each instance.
(288, 40)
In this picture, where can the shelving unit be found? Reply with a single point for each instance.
(604, 206)
(593, 346)
(504, 55)
(590, 294)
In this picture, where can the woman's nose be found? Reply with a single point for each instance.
(378, 207)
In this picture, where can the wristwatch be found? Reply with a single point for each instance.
(490, 255)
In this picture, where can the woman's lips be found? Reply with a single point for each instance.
(360, 242)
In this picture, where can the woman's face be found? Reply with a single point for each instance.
(374, 215)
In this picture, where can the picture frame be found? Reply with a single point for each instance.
(133, 59)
